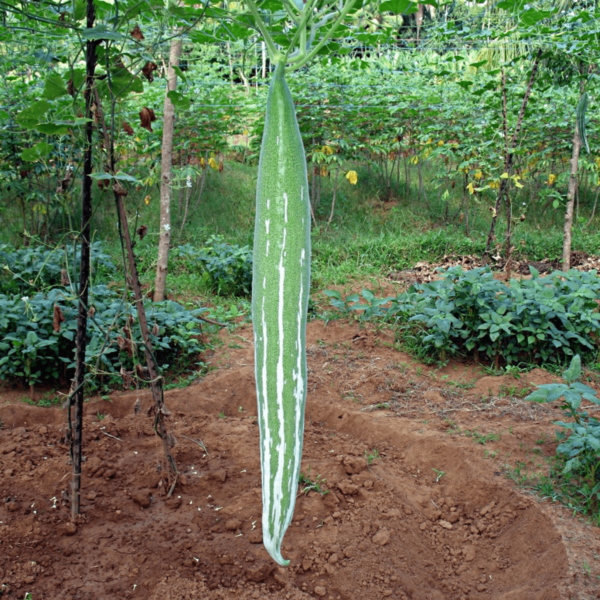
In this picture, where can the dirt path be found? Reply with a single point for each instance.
(429, 516)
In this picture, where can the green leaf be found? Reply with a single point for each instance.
(30, 116)
(41, 150)
(101, 32)
(180, 73)
(533, 16)
(573, 373)
(52, 128)
(54, 87)
(398, 7)
(179, 100)
(119, 177)
(80, 10)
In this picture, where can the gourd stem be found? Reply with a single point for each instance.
(292, 11)
(301, 29)
(273, 53)
(301, 60)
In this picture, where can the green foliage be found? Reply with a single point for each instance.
(374, 307)
(35, 346)
(579, 447)
(537, 320)
(226, 268)
(37, 268)
(309, 485)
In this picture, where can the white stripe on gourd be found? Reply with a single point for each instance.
(281, 282)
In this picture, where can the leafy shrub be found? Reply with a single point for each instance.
(37, 268)
(374, 308)
(537, 320)
(36, 345)
(226, 268)
(579, 448)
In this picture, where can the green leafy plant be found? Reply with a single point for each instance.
(37, 336)
(227, 268)
(308, 485)
(538, 320)
(372, 456)
(38, 268)
(579, 447)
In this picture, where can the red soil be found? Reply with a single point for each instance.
(393, 528)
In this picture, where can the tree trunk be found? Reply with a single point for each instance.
(164, 239)
(76, 398)
(509, 151)
(571, 193)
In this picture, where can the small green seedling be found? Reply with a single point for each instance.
(373, 455)
(438, 474)
(309, 485)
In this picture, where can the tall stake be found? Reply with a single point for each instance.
(76, 398)
(159, 410)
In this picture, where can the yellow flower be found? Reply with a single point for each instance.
(414, 160)
(147, 200)
(323, 171)
(551, 179)
(478, 174)
(517, 182)
(597, 161)
(441, 143)
(494, 185)
(352, 177)
(471, 188)
(327, 150)
(202, 162)
(212, 163)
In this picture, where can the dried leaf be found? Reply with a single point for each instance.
(127, 128)
(147, 116)
(127, 379)
(125, 344)
(64, 277)
(155, 329)
(136, 33)
(142, 231)
(141, 371)
(92, 311)
(58, 318)
(171, 439)
(148, 70)
(70, 87)
(137, 408)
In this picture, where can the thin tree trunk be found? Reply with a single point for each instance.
(76, 398)
(335, 183)
(509, 150)
(159, 410)
(571, 193)
(420, 181)
(164, 239)
(595, 203)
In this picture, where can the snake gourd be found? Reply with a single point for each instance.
(280, 290)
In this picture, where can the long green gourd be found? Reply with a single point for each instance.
(280, 288)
